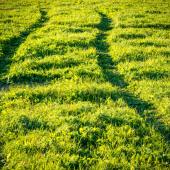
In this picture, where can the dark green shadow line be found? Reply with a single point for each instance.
(10, 47)
(112, 75)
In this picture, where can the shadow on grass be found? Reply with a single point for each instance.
(131, 36)
(110, 73)
(62, 64)
(10, 47)
(28, 124)
(158, 26)
(42, 77)
(24, 125)
(2, 159)
(34, 78)
(155, 75)
(89, 134)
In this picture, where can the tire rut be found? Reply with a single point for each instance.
(10, 47)
(111, 75)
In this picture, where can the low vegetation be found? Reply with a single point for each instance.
(84, 84)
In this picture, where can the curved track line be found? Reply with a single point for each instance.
(112, 76)
(10, 47)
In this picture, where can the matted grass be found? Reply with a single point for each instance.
(85, 84)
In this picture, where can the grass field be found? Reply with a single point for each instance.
(84, 84)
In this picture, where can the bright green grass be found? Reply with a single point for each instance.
(85, 84)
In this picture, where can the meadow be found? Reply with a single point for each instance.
(84, 84)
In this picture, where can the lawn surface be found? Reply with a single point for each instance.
(84, 84)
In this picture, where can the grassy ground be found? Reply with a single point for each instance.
(84, 84)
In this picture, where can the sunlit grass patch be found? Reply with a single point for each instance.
(84, 85)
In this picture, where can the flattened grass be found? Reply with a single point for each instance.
(88, 88)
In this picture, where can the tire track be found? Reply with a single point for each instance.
(112, 76)
(10, 47)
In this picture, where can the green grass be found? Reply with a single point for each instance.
(84, 84)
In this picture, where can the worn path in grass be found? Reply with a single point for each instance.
(10, 47)
(108, 67)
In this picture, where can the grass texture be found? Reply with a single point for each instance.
(84, 84)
